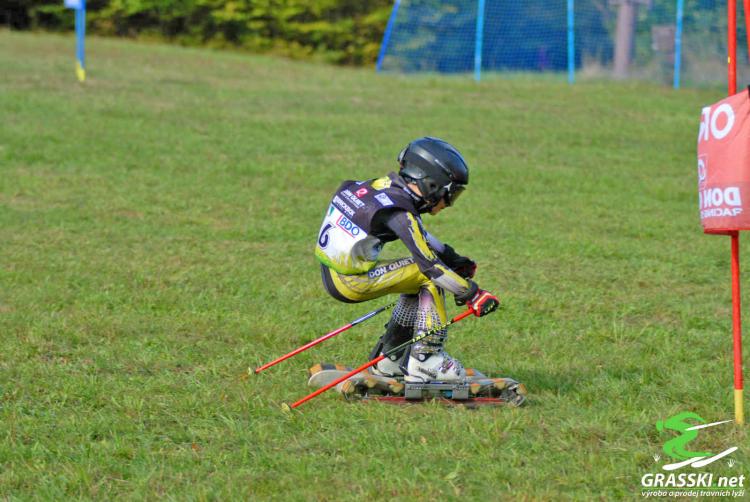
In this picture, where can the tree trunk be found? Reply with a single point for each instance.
(624, 37)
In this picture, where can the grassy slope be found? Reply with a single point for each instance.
(156, 229)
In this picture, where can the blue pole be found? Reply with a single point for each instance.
(678, 44)
(387, 35)
(479, 41)
(80, 38)
(571, 43)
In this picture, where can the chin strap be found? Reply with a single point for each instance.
(422, 205)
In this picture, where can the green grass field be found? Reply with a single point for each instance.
(156, 235)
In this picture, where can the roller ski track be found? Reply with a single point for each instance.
(479, 390)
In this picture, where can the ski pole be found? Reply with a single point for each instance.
(375, 361)
(324, 338)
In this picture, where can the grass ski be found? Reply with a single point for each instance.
(478, 390)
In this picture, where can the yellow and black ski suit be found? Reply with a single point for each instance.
(361, 218)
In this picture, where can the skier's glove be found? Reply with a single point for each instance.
(483, 303)
(463, 266)
(480, 301)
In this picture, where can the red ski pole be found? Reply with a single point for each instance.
(375, 361)
(323, 338)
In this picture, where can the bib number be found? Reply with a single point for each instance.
(324, 238)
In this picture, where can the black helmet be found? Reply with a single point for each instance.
(437, 168)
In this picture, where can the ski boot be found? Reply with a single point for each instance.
(431, 373)
(395, 335)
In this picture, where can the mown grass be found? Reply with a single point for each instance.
(156, 234)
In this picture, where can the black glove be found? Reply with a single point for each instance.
(462, 299)
(463, 266)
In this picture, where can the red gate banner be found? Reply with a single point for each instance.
(724, 165)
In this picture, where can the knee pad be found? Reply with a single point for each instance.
(406, 310)
(431, 307)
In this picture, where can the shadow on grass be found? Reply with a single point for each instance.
(560, 383)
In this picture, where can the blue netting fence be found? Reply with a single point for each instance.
(576, 38)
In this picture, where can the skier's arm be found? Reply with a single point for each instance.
(409, 229)
(462, 265)
(435, 243)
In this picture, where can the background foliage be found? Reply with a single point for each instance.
(350, 31)
(341, 31)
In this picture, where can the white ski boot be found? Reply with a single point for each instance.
(388, 368)
(429, 362)
(431, 372)
(433, 367)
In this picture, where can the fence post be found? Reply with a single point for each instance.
(80, 41)
(678, 44)
(479, 41)
(571, 43)
(387, 35)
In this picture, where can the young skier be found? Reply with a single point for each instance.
(363, 216)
